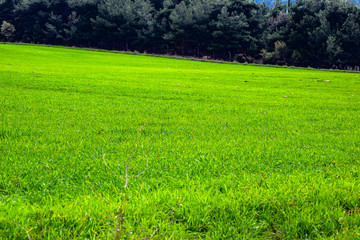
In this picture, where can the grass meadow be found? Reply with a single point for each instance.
(104, 145)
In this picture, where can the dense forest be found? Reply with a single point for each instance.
(273, 2)
(316, 33)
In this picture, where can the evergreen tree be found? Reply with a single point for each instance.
(189, 26)
(85, 11)
(7, 10)
(30, 19)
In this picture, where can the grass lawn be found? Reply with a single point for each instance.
(102, 145)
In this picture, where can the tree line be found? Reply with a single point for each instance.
(316, 33)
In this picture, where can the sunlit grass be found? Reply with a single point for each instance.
(207, 150)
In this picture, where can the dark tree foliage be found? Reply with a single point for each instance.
(7, 10)
(189, 26)
(318, 33)
(235, 29)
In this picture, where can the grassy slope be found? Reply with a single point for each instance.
(213, 150)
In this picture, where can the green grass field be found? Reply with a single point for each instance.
(101, 145)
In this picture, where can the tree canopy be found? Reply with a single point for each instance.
(317, 33)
